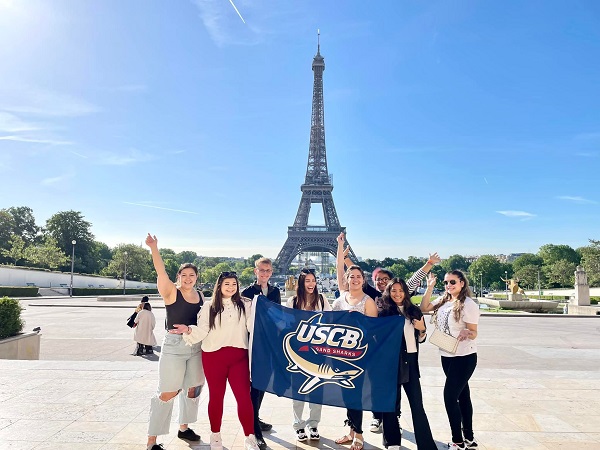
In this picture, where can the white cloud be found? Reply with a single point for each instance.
(34, 140)
(576, 199)
(54, 181)
(145, 205)
(12, 124)
(223, 24)
(40, 102)
(132, 156)
(519, 214)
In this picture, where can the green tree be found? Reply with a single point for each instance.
(16, 251)
(551, 253)
(25, 226)
(7, 225)
(560, 274)
(210, 275)
(46, 254)
(590, 260)
(488, 268)
(455, 262)
(528, 276)
(186, 256)
(172, 267)
(250, 261)
(399, 270)
(101, 254)
(66, 226)
(527, 259)
(414, 263)
(247, 276)
(135, 258)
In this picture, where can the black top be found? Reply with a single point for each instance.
(273, 293)
(182, 311)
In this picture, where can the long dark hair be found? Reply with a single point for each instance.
(462, 295)
(216, 307)
(301, 300)
(147, 306)
(390, 308)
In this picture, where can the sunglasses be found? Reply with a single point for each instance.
(307, 271)
(384, 280)
(452, 282)
(228, 275)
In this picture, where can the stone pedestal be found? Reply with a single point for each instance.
(582, 288)
(516, 297)
(22, 346)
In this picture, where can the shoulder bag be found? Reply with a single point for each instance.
(131, 320)
(441, 339)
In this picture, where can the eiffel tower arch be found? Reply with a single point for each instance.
(317, 189)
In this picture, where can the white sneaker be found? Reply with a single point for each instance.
(394, 447)
(471, 444)
(215, 441)
(250, 443)
(454, 446)
(375, 426)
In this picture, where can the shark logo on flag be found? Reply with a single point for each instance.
(323, 353)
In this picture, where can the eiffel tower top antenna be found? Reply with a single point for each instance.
(318, 41)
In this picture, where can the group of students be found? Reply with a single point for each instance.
(212, 342)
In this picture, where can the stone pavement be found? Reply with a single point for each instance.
(536, 387)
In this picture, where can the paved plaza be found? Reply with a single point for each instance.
(537, 386)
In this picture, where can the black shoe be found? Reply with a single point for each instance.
(261, 444)
(264, 426)
(140, 350)
(188, 435)
(157, 447)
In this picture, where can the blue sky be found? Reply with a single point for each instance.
(463, 127)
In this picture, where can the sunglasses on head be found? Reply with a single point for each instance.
(307, 271)
(452, 282)
(228, 275)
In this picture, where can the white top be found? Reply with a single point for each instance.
(341, 303)
(231, 329)
(469, 314)
(409, 336)
(326, 305)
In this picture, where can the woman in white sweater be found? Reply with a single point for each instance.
(307, 298)
(223, 326)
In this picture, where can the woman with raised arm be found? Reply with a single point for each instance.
(307, 298)
(223, 326)
(180, 366)
(395, 300)
(352, 298)
(457, 315)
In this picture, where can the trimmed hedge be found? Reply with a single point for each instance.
(111, 291)
(11, 323)
(19, 291)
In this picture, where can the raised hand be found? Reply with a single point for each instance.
(346, 251)
(151, 241)
(431, 279)
(434, 258)
(341, 239)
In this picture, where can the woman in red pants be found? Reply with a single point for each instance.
(223, 326)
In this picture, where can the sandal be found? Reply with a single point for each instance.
(345, 439)
(357, 444)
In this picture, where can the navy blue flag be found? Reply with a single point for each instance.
(334, 358)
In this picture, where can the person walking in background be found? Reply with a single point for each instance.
(352, 298)
(222, 327)
(144, 329)
(457, 315)
(263, 269)
(307, 298)
(395, 300)
(180, 366)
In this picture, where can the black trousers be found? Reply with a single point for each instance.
(355, 418)
(257, 398)
(457, 395)
(422, 431)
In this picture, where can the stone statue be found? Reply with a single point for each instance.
(291, 283)
(580, 277)
(513, 285)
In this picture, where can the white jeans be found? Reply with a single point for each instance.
(179, 368)
(314, 415)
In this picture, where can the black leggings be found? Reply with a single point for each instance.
(457, 396)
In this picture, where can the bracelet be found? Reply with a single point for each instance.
(430, 262)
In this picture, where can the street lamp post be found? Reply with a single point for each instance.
(73, 242)
(506, 282)
(124, 272)
(539, 286)
(481, 283)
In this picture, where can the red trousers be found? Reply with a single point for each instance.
(228, 363)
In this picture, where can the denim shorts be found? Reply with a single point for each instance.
(180, 366)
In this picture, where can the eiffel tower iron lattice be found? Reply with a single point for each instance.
(317, 188)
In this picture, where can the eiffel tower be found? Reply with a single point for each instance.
(317, 188)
